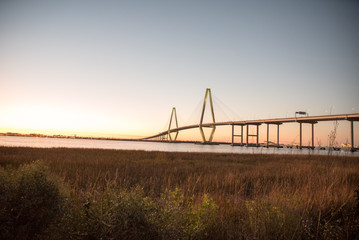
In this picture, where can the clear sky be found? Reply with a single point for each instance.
(116, 68)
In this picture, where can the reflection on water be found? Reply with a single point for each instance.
(154, 146)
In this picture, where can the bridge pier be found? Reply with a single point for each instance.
(237, 135)
(312, 135)
(352, 142)
(267, 145)
(163, 138)
(300, 133)
(253, 135)
(257, 135)
(173, 114)
(209, 95)
(242, 134)
(267, 134)
(352, 136)
(247, 136)
(278, 134)
(232, 134)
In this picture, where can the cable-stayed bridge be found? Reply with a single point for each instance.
(256, 123)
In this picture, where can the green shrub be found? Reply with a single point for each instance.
(337, 222)
(33, 206)
(29, 201)
(176, 218)
(123, 214)
(264, 219)
(115, 214)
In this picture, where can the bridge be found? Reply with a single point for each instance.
(256, 123)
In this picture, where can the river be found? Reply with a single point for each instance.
(39, 142)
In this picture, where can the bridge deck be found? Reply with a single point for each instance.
(311, 119)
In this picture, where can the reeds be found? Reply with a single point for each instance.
(258, 196)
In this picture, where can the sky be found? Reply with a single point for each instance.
(116, 68)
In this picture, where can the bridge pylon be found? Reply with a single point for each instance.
(209, 96)
(173, 113)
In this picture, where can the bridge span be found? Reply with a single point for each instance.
(275, 121)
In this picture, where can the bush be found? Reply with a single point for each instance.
(174, 217)
(115, 214)
(33, 205)
(29, 201)
(123, 214)
(264, 219)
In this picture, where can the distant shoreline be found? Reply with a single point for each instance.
(100, 138)
(37, 135)
(91, 138)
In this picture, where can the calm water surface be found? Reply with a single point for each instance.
(153, 146)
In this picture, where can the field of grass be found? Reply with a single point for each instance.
(112, 194)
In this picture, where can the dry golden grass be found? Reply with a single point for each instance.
(300, 187)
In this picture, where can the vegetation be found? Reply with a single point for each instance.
(109, 194)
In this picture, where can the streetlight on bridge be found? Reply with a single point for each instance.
(301, 113)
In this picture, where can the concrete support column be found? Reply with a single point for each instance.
(313, 135)
(242, 134)
(267, 134)
(239, 135)
(257, 135)
(278, 135)
(352, 135)
(247, 134)
(300, 135)
(232, 134)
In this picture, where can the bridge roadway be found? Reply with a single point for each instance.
(277, 121)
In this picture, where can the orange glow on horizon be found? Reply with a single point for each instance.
(288, 134)
(58, 120)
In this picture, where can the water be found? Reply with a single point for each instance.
(154, 146)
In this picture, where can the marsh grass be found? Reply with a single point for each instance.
(256, 196)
